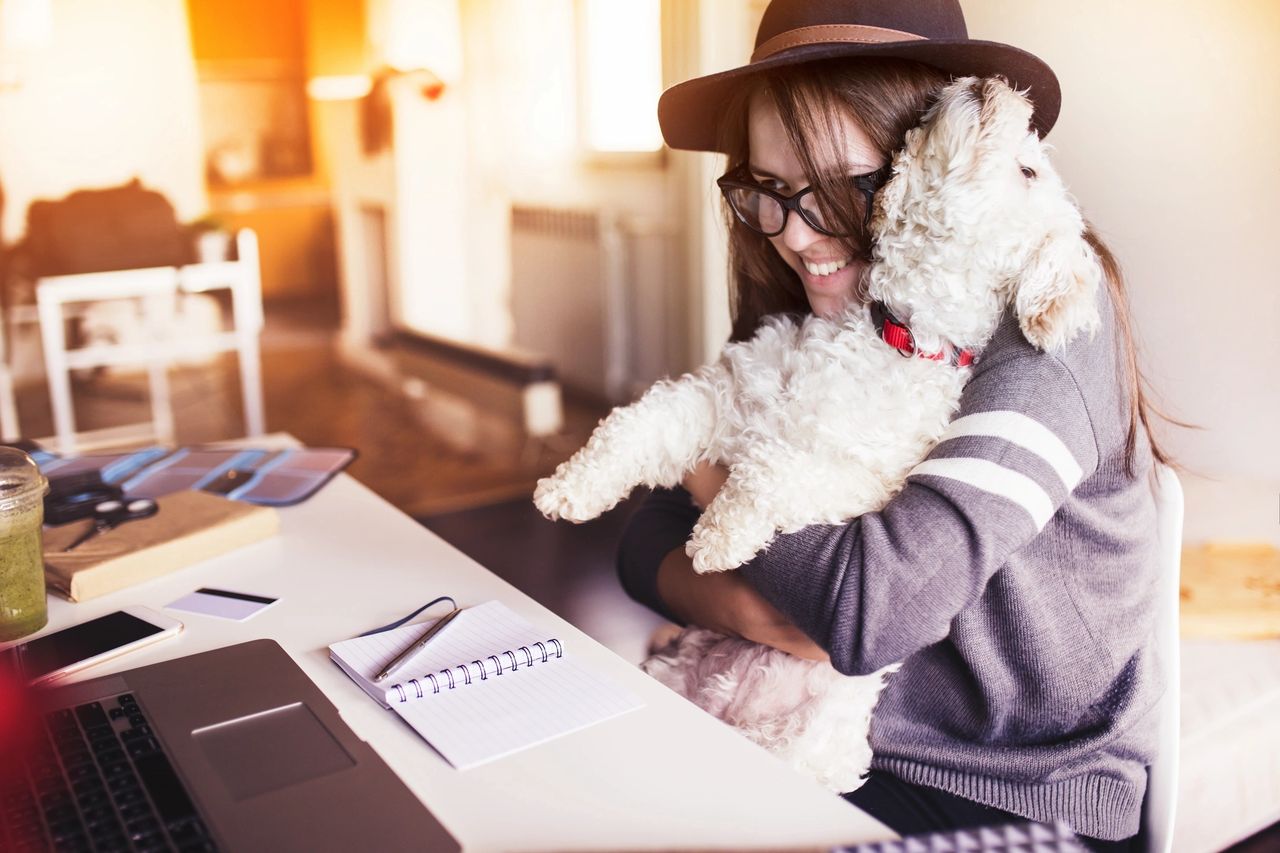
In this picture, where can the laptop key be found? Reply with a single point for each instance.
(130, 797)
(142, 827)
(156, 841)
(27, 829)
(22, 815)
(139, 748)
(60, 814)
(91, 714)
(189, 830)
(109, 835)
(100, 731)
(135, 812)
(88, 786)
(111, 756)
(112, 844)
(62, 718)
(66, 833)
(116, 769)
(82, 773)
(122, 785)
(165, 788)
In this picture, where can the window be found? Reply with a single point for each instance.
(620, 70)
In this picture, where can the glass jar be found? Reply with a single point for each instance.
(23, 607)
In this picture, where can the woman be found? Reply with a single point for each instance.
(1013, 574)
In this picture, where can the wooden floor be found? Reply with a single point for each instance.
(430, 456)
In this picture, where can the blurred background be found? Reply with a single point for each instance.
(490, 173)
(470, 241)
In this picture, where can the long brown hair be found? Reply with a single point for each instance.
(886, 97)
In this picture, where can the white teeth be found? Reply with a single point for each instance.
(825, 269)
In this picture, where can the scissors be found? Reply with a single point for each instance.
(113, 513)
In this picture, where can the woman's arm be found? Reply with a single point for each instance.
(889, 583)
(655, 571)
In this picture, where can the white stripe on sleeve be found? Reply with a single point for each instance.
(1025, 432)
(994, 479)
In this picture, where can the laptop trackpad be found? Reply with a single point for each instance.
(270, 750)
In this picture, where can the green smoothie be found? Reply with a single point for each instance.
(23, 609)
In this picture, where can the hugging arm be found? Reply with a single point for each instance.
(875, 590)
(656, 572)
(661, 525)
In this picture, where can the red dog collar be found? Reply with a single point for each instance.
(898, 335)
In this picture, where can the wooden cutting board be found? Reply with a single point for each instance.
(189, 528)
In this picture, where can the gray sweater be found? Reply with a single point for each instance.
(1015, 577)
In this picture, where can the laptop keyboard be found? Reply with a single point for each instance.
(97, 780)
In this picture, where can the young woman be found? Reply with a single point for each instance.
(1013, 574)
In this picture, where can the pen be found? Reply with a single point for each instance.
(412, 650)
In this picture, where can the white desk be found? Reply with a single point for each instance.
(664, 776)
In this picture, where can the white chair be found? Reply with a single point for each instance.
(157, 288)
(1162, 777)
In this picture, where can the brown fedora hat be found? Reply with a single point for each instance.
(794, 31)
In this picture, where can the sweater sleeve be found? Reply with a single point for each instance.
(661, 525)
(887, 584)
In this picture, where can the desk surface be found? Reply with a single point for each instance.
(666, 775)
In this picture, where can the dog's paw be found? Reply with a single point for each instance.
(715, 550)
(556, 498)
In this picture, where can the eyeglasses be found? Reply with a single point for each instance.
(765, 211)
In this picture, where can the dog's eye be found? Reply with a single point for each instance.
(1028, 173)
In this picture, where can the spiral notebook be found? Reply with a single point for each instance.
(486, 686)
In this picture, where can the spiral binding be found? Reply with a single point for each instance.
(511, 660)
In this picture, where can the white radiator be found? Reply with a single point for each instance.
(589, 291)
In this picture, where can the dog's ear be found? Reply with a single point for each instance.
(951, 125)
(889, 200)
(1057, 294)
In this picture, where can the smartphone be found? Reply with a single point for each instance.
(61, 653)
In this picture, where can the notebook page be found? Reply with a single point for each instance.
(492, 716)
(487, 720)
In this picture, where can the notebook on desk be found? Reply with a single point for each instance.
(488, 685)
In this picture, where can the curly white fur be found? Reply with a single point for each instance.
(819, 420)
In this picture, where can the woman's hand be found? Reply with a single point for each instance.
(726, 603)
(704, 481)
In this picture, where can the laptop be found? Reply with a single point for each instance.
(233, 749)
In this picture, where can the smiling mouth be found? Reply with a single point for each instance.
(824, 269)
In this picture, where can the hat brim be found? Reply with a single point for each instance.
(690, 112)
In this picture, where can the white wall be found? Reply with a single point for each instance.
(1171, 110)
(523, 70)
(111, 97)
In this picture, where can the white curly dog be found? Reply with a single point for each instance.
(820, 420)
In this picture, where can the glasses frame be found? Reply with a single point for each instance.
(739, 178)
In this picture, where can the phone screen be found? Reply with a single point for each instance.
(88, 639)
